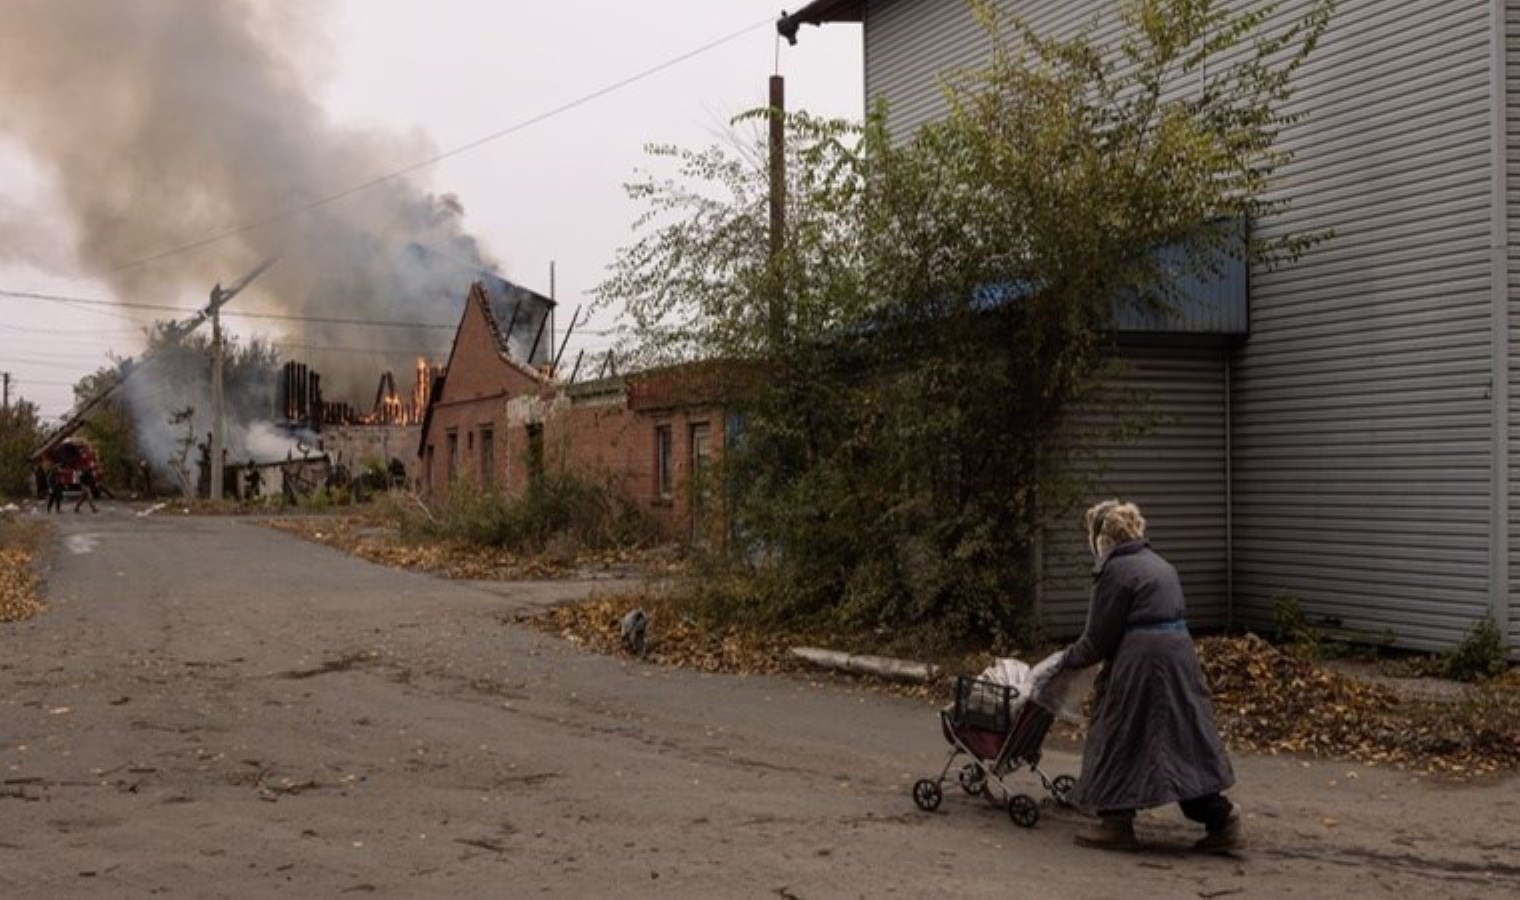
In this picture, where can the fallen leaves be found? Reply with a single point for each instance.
(1269, 700)
(1266, 700)
(19, 543)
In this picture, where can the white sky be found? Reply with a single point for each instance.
(457, 70)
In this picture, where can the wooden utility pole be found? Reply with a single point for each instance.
(6, 405)
(216, 393)
(777, 297)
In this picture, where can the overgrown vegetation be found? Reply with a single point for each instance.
(20, 433)
(1478, 657)
(559, 511)
(908, 358)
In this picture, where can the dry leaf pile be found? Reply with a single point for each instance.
(378, 541)
(1267, 700)
(18, 578)
(675, 639)
(1270, 700)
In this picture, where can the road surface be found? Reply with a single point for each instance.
(210, 708)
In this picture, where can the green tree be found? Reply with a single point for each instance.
(948, 300)
(20, 433)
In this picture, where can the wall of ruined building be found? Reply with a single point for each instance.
(476, 388)
(593, 433)
(355, 446)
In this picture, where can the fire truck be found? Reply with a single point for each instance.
(71, 458)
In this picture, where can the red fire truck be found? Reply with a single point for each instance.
(72, 458)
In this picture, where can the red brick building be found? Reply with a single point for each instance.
(465, 424)
(653, 436)
(498, 422)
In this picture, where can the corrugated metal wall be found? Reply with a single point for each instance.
(1363, 418)
(1363, 413)
(1177, 475)
(1512, 212)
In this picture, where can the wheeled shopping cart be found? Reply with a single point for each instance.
(1001, 732)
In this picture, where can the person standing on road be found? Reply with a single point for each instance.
(87, 485)
(1152, 740)
(55, 490)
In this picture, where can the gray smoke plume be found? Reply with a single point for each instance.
(161, 122)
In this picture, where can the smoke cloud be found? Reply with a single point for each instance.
(161, 122)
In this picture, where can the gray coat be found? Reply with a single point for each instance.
(1152, 739)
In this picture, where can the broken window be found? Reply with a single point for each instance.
(451, 444)
(663, 480)
(487, 456)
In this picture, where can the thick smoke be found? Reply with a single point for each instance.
(162, 122)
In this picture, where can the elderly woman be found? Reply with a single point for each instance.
(1152, 739)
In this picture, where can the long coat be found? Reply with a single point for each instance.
(1152, 739)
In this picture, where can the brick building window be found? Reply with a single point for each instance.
(664, 482)
(427, 470)
(487, 456)
(451, 445)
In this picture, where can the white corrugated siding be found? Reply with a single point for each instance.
(1363, 424)
(1177, 475)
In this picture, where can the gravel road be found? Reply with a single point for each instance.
(210, 708)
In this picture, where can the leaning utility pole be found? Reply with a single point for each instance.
(216, 394)
(219, 298)
(778, 212)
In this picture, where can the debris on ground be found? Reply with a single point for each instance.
(377, 540)
(1270, 700)
(1267, 699)
(20, 541)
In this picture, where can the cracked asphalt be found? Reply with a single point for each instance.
(210, 708)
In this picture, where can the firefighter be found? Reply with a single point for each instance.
(87, 487)
(54, 489)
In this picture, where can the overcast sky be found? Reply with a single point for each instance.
(453, 71)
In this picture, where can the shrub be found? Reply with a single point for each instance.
(1479, 656)
(568, 511)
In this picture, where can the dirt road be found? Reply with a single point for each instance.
(210, 708)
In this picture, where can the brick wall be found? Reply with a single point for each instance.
(472, 406)
(591, 430)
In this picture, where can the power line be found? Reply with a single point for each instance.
(279, 317)
(161, 307)
(440, 157)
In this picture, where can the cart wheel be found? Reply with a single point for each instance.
(927, 795)
(972, 779)
(1061, 789)
(1023, 810)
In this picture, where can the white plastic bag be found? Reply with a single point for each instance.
(1062, 692)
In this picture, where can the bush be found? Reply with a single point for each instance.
(1479, 656)
(571, 512)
